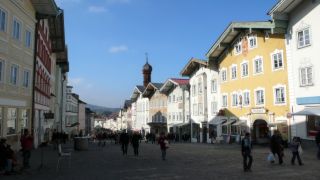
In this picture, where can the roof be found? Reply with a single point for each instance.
(127, 103)
(192, 66)
(136, 92)
(233, 31)
(82, 102)
(48, 7)
(171, 83)
(151, 88)
(281, 9)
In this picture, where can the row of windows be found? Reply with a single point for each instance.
(13, 122)
(214, 85)
(14, 75)
(175, 116)
(250, 41)
(157, 103)
(174, 99)
(277, 64)
(16, 28)
(239, 99)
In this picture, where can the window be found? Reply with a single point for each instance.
(214, 107)
(304, 38)
(180, 116)
(193, 90)
(28, 39)
(246, 99)
(279, 93)
(12, 120)
(1, 70)
(195, 110)
(258, 65)
(224, 100)
(3, 20)
(200, 86)
(277, 60)
(26, 77)
(169, 99)
(306, 76)
(24, 119)
(252, 40)
(312, 123)
(224, 75)
(244, 69)
(173, 116)
(259, 97)
(238, 48)
(234, 72)
(200, 106)
(14, 74)
(16, 29)
(214, 85)
(234, 99)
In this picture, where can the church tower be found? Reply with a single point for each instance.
(146, 71)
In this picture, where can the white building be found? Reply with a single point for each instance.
(178, 116)
(72, 112)
(82, 116)
(302, 46)
(203, 99)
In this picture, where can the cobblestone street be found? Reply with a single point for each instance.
(184, 161)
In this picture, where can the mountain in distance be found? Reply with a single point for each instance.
(101, 110)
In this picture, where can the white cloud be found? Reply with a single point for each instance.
(75, 81)
(118, 1)
(118, 49)
(97, 9)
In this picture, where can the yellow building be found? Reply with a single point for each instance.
(253, 81)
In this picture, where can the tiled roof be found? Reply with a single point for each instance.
(158, 85)
(141, 88)
(180, 81)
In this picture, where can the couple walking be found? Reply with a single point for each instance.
(124, 141)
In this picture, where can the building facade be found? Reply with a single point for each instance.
(17, 29)
(72, 112)
(251, 58)
(82, 116)
(302, 61)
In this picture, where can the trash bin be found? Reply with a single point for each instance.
(81, 143)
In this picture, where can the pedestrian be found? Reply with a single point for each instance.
(318, 143)
(135, 143)
(124, 141)
(26, 144)
(246, 147)
(295, 145)
(162, 141)
(276, 146)
(2, 154)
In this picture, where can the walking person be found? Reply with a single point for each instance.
(246, 147)
(318, 143)
(162, 141)
(276, 146)
(295, 145)
(124, 140)
(26, 144)
(135, 143)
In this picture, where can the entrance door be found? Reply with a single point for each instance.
(260, 132)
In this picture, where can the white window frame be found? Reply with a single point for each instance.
(280, 86)
(255, 39)
(195, 109)
(14, 35)
(4, 29)
(241, 65)
(214, 85)
(224, 103)
(304, 39)
(2, 70)
(264, 96)
(200, 109)
(17, 75)
(214, 107)
(238, 47)
(243, 98)
(26, 82)
(194, 89)
(254, 65)
(234, 99)
(277, 52)
(224, 72)
(233, 74)
(28, 41)
(200, 89)
(308, 83)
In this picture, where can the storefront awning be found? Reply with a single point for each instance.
(239, 123)
(308, 111)
(217, 121)
(228, 122)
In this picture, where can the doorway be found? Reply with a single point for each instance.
(260, 132)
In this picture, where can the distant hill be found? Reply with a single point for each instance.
(102, 110)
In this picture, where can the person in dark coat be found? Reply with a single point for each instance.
(318, 143)
(246, 147)
(276, 145)
(124, 141)
(135, 143)
(294, 146)
(162, 141)
(27, 145)
(3, 158)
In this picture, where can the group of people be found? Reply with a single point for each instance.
(8, 159)
(276, 149)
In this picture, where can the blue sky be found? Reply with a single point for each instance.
(107, 40)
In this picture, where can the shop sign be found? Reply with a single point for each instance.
(258, 111)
